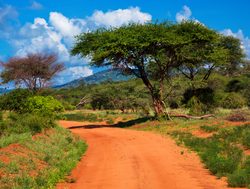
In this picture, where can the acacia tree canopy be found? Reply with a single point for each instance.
(34, 70)
(153, 51)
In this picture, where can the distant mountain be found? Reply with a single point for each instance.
(99, 77)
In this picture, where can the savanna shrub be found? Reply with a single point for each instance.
(22, 123)
(233, 101)
(195, 106)
(199, 100)
(235, 85)
(43, 105)
(15, 100)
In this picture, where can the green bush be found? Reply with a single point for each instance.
(15, 100)
(67, 105)
(59, 151)
(233, 101)
(239, 178)
(23, 123)
(43, 105)
(195, 106)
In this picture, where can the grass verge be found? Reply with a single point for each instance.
(221, 153)
(40, 161)
(225, 153)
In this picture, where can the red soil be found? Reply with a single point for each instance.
(127, 159)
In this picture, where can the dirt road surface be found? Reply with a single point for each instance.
(127, 159)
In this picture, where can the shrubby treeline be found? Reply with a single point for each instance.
(218, 91)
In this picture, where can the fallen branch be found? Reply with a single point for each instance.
(192, 117)
(83, 101)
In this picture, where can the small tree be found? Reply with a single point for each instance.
(34, 71)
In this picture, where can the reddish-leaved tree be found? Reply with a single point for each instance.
(34, 70)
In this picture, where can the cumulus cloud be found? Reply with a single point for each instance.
(56, 35)
(245, 41)
(65, 26)
(36, 6)
(119, 17)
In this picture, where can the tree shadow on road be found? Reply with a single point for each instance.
(118, 125)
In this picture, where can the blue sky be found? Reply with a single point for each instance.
(28, 26)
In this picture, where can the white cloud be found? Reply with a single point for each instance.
(36, 6)
(40, 37)
(245, 41)
(184, 14)
(119, 17)
(57, 35)
(65, 26)
(72, 73)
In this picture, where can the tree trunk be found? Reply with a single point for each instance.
(158, 105)
(155, 94)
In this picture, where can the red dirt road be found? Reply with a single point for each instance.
(127, 159)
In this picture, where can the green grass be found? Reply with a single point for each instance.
(221, 154)
(78, 116)
(6, 140)
(51, 156)
(209, 129)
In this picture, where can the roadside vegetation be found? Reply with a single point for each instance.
(34, 151)
(222, 145)
(183, 72)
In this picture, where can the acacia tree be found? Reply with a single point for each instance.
(34, 71)
(151, 51)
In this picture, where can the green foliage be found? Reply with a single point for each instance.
(235, 53)
(11, 138)
(43, 105)
(195, 106)
(239, 178)
(15, 100)
(81, 117)
(209, 129)
(58, 151)
(200, 100)
(221, 154)
(233, 101)
(25, 123)
(246, 139)
(156, 50)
